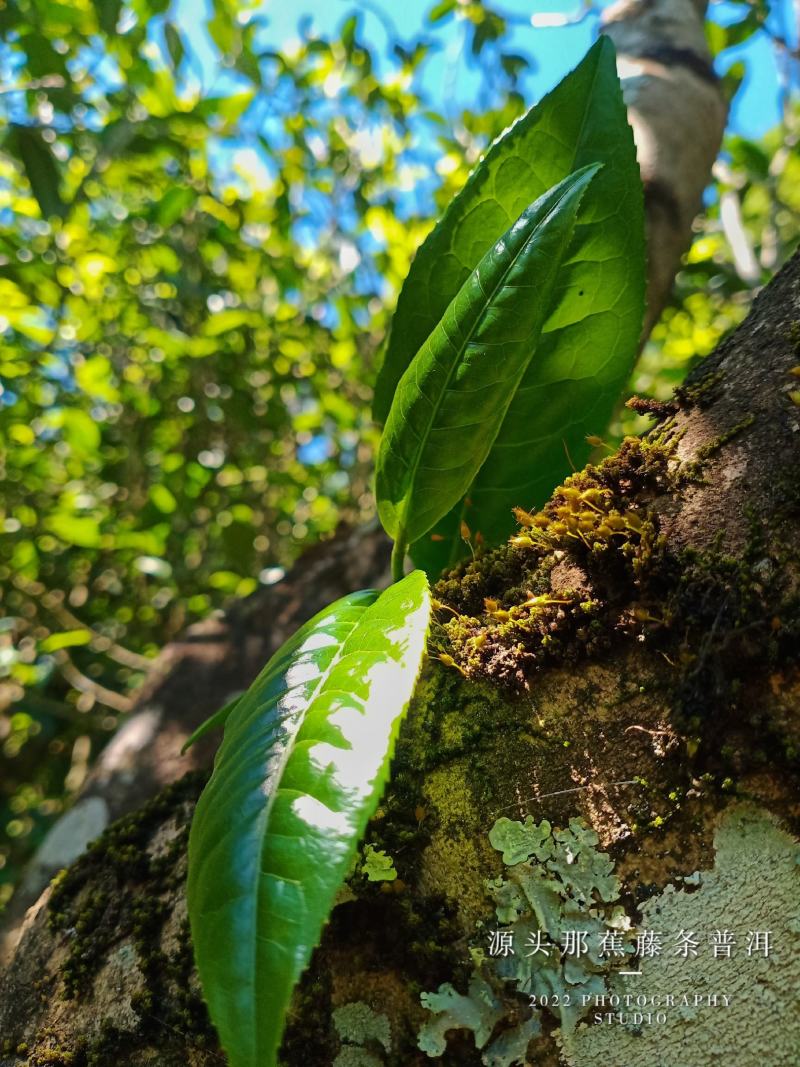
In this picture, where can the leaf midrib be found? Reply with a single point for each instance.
(588, 105)
(453, 556)
(262, 823)
(455, 362)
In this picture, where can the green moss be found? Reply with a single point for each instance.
(129, 898)
(700, 389)
(591, 570)
(793, 335)
(52, 1058)
(693, 471)
(501, 617)
(724, 438)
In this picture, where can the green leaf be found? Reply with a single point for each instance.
(74, 530)
(513, 64)
(95, 376)
(79, 430)
(65, 639)
(441, 10)
(174, 42)
(490, 28)
(108, 12)
(303, 761)
(721, 37)
(451, 402)
(213, 722)
(590, 339)
(173, 204)
(348, 33)
(40, 169)
(224, 29)
(732, 79)
(233, 106)
(163, 498)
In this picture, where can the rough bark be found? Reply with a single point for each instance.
(678, 115)
(641, 676)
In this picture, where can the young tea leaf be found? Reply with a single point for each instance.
(591, 335)
(302, 764)
(451, 402)
(213, 722)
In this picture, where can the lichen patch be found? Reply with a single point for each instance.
(753, 886)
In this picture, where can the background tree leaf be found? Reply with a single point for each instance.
(67, 639)
(40, 168)
(303, 761)
(108, 12)
(451, 402)
(174, 41)
(213, 722)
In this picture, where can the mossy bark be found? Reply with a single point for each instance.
(630, 660)
(677, 112)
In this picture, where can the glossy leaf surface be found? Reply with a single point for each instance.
(302, 764)
(452, 400)
(590, 339)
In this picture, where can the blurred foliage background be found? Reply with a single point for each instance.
(194, 286)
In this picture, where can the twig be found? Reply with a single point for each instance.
(51, 81)
(79, 681)
(563, 792)
(63, 615)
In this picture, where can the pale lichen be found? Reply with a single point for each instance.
(520, 841)
(556, 880)
(377, 866)
(479, 1011)
(743, 1009)
(352, 1056)
(566, 888)
(361, 1030)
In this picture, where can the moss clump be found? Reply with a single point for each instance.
(592, 569)
(555, 593)
(701, 388)
(132, 886)
(50, 1053)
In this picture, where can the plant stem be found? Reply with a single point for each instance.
(398, 558)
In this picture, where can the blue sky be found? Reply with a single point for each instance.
(555, 50)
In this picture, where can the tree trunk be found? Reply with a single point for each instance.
(678, 116)
(626, 669)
